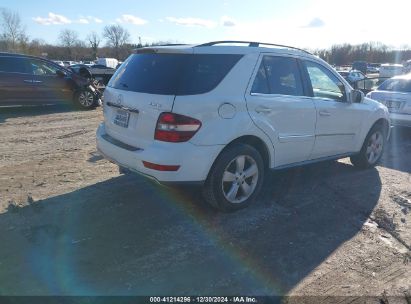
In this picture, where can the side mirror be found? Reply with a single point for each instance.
(357, 96)
(60, 73)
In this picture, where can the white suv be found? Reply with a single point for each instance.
(222, 113)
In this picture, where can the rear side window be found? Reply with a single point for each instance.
(278, 75)
(173, 74)
(14, 65)
(398, 85)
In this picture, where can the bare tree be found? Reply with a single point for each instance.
(69, 40)
(117, 37)
(94, 41)
(12, 30)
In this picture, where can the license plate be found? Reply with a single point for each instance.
(122, 117)
(393, 104)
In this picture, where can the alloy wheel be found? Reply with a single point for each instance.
(86, 99)
(374, 147)
(240, 179)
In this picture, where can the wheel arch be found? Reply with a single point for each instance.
(254, 142)
(214, 197)
(384, 123)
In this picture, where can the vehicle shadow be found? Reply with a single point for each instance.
(397, 152)
(30, 111)
(130, 236)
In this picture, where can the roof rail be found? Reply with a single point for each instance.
(251, 44)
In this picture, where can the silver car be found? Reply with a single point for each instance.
(395, 94)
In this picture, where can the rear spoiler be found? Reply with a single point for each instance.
(166, 49)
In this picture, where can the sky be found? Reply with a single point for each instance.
(302, 23)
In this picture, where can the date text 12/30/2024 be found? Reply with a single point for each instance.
(199, 299)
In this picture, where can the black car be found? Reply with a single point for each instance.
(29, 80)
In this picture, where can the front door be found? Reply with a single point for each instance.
(48, 85)
(338, 120)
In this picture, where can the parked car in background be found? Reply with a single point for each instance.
(407, 67)
(29, 80)
(223, 113)
(352, 76)
(68, 63)
(391, 70)
(395, 94)
(100, 66)
(360, 66)
(99, 72)
(59, 62)
(372, 70)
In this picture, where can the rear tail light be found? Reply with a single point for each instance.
(173, 127)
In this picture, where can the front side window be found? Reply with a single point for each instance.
(40, 67)
(324, 83)
(278, 75)
(14, 65)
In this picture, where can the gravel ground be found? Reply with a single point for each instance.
(71, 225)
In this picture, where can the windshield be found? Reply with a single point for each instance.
(173, 74)
(398, 85)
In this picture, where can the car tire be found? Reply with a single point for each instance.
(85, 99)
(124, 170)
(235, 178)
(372, 149)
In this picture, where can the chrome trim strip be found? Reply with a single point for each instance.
(336, 134)
(295, 138)
(278, 95)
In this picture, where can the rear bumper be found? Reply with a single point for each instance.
(194, 161)
(403, 120)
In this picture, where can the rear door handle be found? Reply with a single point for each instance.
(28, 81)
(37, 81)
(325, 113)
(263, 109)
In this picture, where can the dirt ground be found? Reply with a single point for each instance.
(71, 225)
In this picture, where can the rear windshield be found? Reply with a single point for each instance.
(397, 85)
(173, 74)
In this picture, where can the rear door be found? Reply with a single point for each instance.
(15, 81)
(278, 106)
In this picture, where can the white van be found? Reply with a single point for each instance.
(391, 70)
(108, 62)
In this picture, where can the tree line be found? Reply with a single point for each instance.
(372, 52)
